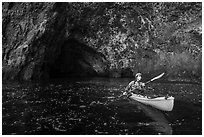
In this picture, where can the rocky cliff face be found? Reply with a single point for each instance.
(29, 38)
(49, 40)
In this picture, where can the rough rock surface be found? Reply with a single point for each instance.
(29, 38)
(48, 40)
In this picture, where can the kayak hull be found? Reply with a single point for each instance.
(161, 103)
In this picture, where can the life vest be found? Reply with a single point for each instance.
(135, 85)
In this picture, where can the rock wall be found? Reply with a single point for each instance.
(49, 40)
(29, 38)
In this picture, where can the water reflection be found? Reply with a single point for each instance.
(159, 122)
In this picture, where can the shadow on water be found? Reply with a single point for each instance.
(159, 121)
(142, 119)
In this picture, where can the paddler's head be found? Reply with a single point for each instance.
(138, 76)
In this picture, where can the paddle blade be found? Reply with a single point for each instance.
(157, 77)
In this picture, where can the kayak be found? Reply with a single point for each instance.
(161, 103)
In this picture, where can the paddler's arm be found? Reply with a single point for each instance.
(127, 89)
(142, 84)
(148, 89)
(129, 86)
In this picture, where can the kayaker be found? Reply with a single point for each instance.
(135, 86)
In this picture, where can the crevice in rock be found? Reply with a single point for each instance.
(78, 60)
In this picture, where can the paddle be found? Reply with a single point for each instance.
(155, 78)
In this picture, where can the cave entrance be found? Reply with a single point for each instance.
(75, 60)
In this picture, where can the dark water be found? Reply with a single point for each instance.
(92, 106)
